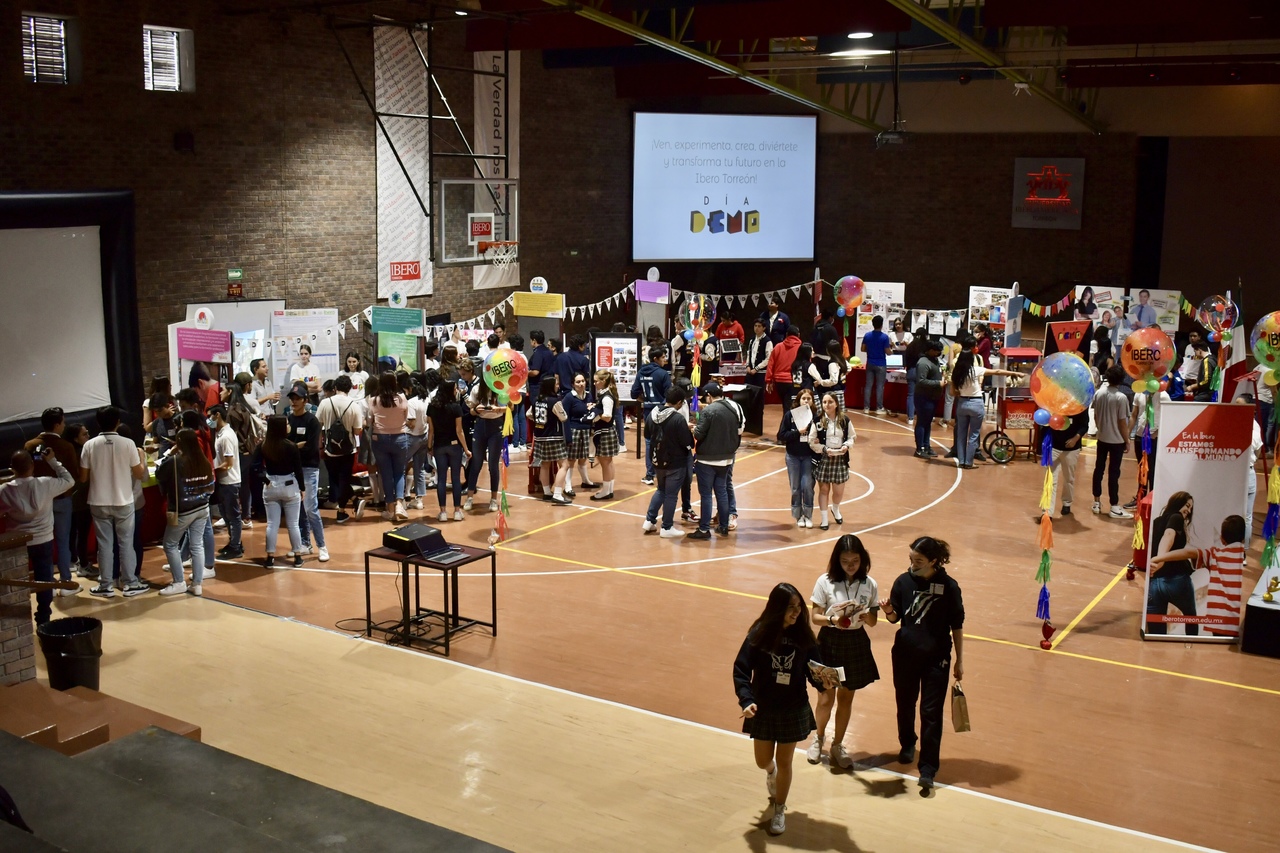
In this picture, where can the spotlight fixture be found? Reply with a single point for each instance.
(859, 52)
(460, 12)
(964, 77)
(861, 34)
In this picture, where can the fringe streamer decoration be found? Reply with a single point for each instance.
(1046, 494)
(1042, 573)
(1042, 607)
(1273, 488)
(1139, 541)
(1046, 532)
(1046, 451)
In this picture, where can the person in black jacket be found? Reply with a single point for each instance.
(800, 458)
(650, 387)
(668, 434)
(280, 462)
(927, 601)
(186, 479)
(1066, 453)
(777, 658)
(928, 396)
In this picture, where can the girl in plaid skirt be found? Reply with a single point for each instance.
(548, 442)
(831, 440)
(778, 657)
(845, 601)
(606, 432)
(581, 411)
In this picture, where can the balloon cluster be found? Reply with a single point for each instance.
(1062, 385)
(699, 315)
(1218, 315)
(1264, 340)
(1147, 356)
(505, 372)
(849, 293)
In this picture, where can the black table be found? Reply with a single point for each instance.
(413, 625)
(1260, 634)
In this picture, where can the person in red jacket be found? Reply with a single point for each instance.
(778, 373)
(730, 328)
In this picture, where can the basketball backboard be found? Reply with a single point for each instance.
(478, 221)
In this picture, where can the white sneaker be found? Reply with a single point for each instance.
(840, 758)
(882, 411)
(247, 524)
(209, 572)
(808, 522)
(1097, 507)
(324, 555)
(771, 781)
(466, 504)
(814, 753)
(443, 516)
(493, 505)
(778, 825)
(401, 514)
(457, 515)
(186, 564)
(220, 524)
(416, 503)
(67, 593)
(174, 589)
(1120, 512)
(648, 526)
(866, 411)
(386, 516)
(800, 522)
(733, 521)
(671, 533)
(196, 590)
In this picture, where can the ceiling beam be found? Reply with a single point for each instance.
(709, 61)
(919, 11)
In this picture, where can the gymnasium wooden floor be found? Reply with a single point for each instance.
(1167, 740)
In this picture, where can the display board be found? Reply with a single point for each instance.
(620, 355)
(1102, 305)
(399, 337)
(1150, 307)
(290, 329)
(880, 298)
(989, 305)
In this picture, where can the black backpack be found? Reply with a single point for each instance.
(337, 441)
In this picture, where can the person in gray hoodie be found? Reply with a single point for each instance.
(667, 432)
(717, 438)
(28, 502)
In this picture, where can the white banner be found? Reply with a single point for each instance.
(1197, 508)
(490, 104)
(404, 241)
(315, 327)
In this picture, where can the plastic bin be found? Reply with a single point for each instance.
(72, 650)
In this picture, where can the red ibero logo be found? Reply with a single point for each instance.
(1219, 432)
(406, 270)
(1050, 180)
(481, 229)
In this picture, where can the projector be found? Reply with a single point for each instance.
(891, 137)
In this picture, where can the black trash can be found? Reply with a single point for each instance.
(72, 648)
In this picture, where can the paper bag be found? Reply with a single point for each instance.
(959, 708)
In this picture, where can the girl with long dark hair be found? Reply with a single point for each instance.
(186, 479)
(280, 462)
(800, 376)
(777, 658)
(447, 441)
(844, 604)
(548, 441)
(800, 458)
(606, 434)
(966, 380)
(910, 357)
(581, 411)
(358, 375)
(490, 415)
(1170, 582)
(831, 440)
(390, 425)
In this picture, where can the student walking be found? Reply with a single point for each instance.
(831, 440)
(800, 458)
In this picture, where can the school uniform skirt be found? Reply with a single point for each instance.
(579, 444)
(549, 448)
(831, 469)
(851, 650)
(790, 725)
(607, 441)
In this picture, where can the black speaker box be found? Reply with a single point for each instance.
(415, 539)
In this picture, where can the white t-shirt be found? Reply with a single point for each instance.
(973, 386)
(110, 458)
(418, 411)
(1191, 365)
(827, 594)
(226, 444)
(308, 374)
(358, 380)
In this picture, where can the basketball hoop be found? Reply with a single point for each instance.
(502, 253)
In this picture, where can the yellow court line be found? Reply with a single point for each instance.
(1092, 604)
(976, 637)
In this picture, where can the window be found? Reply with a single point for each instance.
(44, 49)
(167, 56)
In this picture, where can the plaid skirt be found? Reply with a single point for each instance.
(549, 449)
(580, 444)
(787, 726)
(607, 441)
(851, 650)
(831, 469)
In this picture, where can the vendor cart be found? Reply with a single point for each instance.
(1015, 413)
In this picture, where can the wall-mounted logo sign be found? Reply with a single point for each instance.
(1048, 192)
(406, 270)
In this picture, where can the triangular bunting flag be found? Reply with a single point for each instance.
(342, 331)
(368, 313)
(795, 290)
(493, 312)
(502, 307)
(631, 287)
(355, 323)
(755, 299)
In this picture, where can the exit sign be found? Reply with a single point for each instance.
(235, 274)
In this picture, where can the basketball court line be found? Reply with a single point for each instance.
(1092, 604)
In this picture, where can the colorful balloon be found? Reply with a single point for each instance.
(1062, 384)
(505, 372)
(699, 313)
(1217, 313)
(849, 293)
(1147, 354)
(1058, 421)
(1043, 416)
(1264, 340)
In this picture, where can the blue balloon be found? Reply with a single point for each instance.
(688, 334)
(839, 312)
(1042, 417)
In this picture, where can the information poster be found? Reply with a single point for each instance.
(1067, 336)
(1152, 308)
(315, 327)
(620, 355)
(880, 298)
(1202, 466)
(1102, 305)
(990, 305)
(398, 331)
(204, 345)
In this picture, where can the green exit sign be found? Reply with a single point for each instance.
(235, 274)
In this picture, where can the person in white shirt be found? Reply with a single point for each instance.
(1191, 361)
(304, 371)
(27, 500)
(423, 465)
(110, 464)
(339, 456)
(226, 464)
(267, 396)
(966, 381)
(357, 375)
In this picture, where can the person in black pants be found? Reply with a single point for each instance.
(927, 601)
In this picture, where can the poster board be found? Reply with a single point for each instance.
(1067, 336)
(398, 336)
(1149, 306)
(240, 315)
(291, 328)
(620, 355)
(989, 305)
(1102, 305)
(884, 298)
(1203, 450)
(246, 347)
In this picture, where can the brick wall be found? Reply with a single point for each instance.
(17, 638)
(281, 182)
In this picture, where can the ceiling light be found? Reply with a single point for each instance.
(459, 12)
(861, 52)
(861, 34)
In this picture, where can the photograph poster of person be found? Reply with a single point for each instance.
(1196, 546)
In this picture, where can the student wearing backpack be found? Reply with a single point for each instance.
(304, 432)
(668, 434)
(341, 422)
(250, 429)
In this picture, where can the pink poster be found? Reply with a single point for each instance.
(204, 345)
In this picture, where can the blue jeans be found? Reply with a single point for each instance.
(62, 535)
(487, 445)
(422, 463)
(206, 539)
(969, 415)
(712, 478)
(800, 475)
(648, 445)
(281, 501)
(670, 482)
(229, 502)
(449, 469)
(520, 436)
(875, 376)
(41, 558)
(1177, 591)
(110, 523)
(392, 454)
(926, 408)
(911, 393)
(192, 525)
(311, 525)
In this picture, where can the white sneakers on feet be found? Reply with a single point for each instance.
(808, 522)
(324, 555)
(493, 505)
(467, 504)
(800, 522)
(67, 593)
(1097, 507)
(814, 753)
(174, 589)
(1120, 512)
(196, 590)
(778, 824)
(443, 516)
(457, 515)
(400, 513)
(648, 526)
(840, 758)
(671, 533)
(416, 503)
